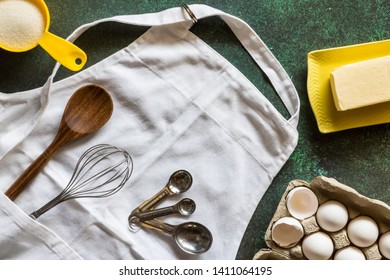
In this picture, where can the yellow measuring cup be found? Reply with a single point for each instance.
(24, 24)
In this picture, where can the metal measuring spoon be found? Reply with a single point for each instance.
(180, 181)
(185, 207)
(191, 237)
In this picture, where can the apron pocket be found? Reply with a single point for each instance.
(23, 238)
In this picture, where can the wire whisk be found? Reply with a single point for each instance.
(101, 171)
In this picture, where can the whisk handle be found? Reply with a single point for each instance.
(36, 214)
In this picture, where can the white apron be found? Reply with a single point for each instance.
(177, 105)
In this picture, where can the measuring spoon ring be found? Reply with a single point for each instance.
(185, 207)
(191, 237)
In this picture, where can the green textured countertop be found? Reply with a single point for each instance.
(358, 157)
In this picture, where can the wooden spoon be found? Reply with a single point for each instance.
(88, 109)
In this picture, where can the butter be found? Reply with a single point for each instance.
(361, 84)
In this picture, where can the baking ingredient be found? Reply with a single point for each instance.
(349, 253)
(317, 246)
(287, 232)
(301, 202)
(384, 244)
(21, 24)
(361, 84)
(362, 231)
(332, 216)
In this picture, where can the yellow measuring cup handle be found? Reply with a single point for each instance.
(66, 53)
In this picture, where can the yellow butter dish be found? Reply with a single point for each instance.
(321, 63)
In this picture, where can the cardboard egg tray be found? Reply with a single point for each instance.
(327, 189)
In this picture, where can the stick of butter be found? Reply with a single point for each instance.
(361, 84)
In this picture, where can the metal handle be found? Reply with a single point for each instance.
(185, 207)
(159, 226)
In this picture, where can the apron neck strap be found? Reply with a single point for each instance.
(187, 15)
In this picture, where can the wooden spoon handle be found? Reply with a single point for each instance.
(35, 167)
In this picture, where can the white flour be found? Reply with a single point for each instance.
(21, 24)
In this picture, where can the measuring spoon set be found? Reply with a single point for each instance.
(191, 237)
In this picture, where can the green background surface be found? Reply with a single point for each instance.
(358, 157)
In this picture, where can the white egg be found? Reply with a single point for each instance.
(317, 246)
(362, 231)
(384, 245)
(287, 232)
(332, 216)
(349, 253)
(302, 203)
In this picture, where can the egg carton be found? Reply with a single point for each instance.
(327, 189)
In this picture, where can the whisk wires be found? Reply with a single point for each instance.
(101, 171)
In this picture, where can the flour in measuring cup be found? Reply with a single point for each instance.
(21, 25)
